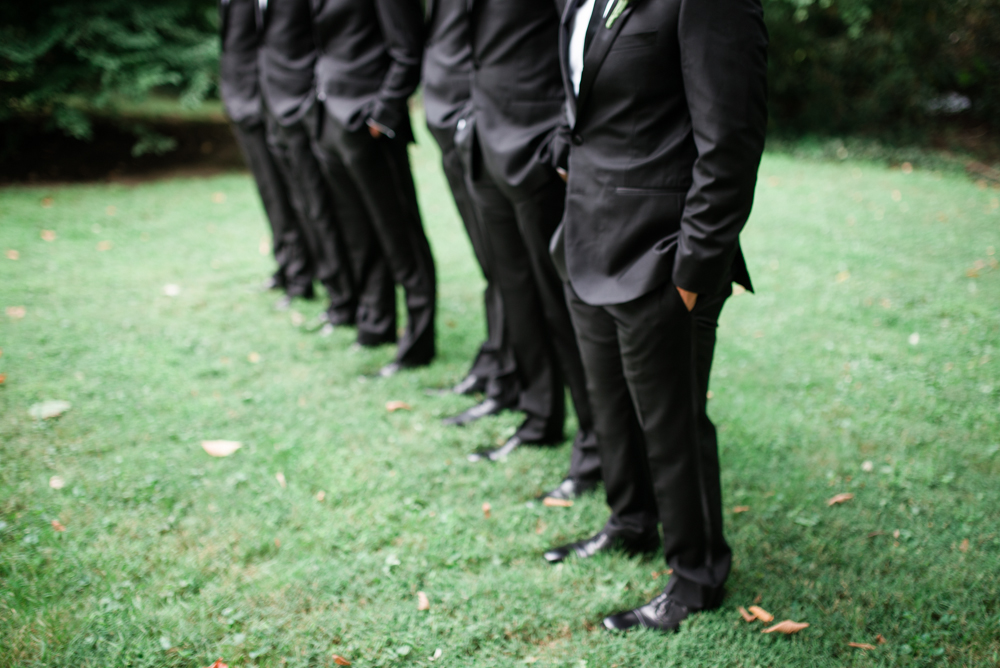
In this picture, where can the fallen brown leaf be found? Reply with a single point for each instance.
(840, 498)
(48, 235)
(861, 645)
(253, 358)
(880, 639)
(56, 482)
(393, 406)
(219, 664)
(741, 509)
(13, 255)
(280, 477)
(787, 627)
(221, 448)
(105, 245)
(58, 526)
(111, 210)
(3, 378)
(47, 202)
(218, 198)
(487, 508)
(320, 495)
(556, 503)
(843, 276)
(46, 410)
(340, 661)
(964, 547)
(747, 617)
(423, 603)
(759, 598)
(16, 312)
(761, 614)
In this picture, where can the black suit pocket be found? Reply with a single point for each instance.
(634, 40)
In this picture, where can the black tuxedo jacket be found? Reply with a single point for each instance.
(240, 37)
(667, 135)
(369, 61)
(287, 59)
(517, 88)
(447, 62)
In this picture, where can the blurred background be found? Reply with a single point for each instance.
(112, 87)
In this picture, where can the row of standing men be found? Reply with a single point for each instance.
(602, 155)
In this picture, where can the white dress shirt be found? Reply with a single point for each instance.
(579, 38)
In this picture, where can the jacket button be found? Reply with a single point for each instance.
(576, 139)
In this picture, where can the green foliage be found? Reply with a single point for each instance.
(877, 65)
(67, 60)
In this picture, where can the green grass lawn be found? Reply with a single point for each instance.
(867, 363)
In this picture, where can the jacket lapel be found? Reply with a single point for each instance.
(598, 51)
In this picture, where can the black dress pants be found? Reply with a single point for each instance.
(648, 363)
(379, 168)
(312, 201)
(376, 314)
(519, 226)
(294, 273)
(495, 359)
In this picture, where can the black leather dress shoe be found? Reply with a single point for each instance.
(392, 368)
(487, 407)
(602, 542)
(471, 384)
(496, 454)
(662, 613)
(569, 489)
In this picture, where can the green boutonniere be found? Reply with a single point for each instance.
(615, 13)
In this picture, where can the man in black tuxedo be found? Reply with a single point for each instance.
(240, 37)
(286, 58)
(517, 99)
(368, 66)
(446, 72)
(667, 115)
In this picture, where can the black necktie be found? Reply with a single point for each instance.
(595, 22)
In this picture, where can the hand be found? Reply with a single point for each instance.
(689, 298)
(563, 174)
(374, 131)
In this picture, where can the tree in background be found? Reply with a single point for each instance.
(67, 60)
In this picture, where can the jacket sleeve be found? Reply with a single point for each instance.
(402, 24)
(723, 52)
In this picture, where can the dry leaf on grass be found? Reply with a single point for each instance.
(253, 358)
(13, 255)
(48, 235)
(843, 276)
(218, 198)
(221, 448)
(280, 477)
(49, 409)
(423, 603)
(741, 509)
(340, 661)
(840, 498)
(219, 663)
(105, 245)
(556, 503)
(487, 508)
(3, 378)
(47, 202)
(393, 406)
(787, 627)
(58, 526)
(747, 617)
(964, 546)
(56, 482)
(437, 654)
(861, 645)
(320, 495)
(880, 639)
(761, 614)
(16, 312)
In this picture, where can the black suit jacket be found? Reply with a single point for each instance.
(369, 62)
(240, 37)
(287, 59)
(667, 136)
(517, 88)
(447, 63)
